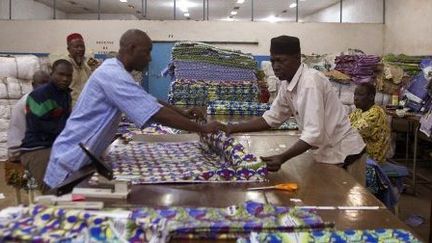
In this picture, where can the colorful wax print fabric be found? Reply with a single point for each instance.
(50, 224)
(220, 223)
(199, 93)
(227, 107)
(361, 68)
(324, 236)
(216, 158)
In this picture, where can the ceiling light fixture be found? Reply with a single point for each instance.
(186, 14)
(240, 1)
(233, 12)
(293, 5)
(272, 19)
(123, 1)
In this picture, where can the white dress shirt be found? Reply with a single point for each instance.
(17, 128)
(320, 115)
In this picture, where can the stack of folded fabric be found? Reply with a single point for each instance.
(225, 107)
(361, 68)
(418, 92)
(321, 63)
(204, 73)
(409, 64)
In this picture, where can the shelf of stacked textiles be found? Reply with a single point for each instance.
(227, 107)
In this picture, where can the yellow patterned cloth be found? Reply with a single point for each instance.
(374, 129)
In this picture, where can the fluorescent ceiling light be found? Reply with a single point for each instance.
(228, 19)
(240, 1)
(272, 19)
(186, 14)
(183, 5)
(293, 5)
(233, 12)
(123, 1)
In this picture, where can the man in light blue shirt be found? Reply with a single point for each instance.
(110, 91)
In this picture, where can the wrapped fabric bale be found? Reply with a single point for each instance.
(3, 151)
(27, 65)
(361, 68)
(3, 137)
(26, 87)
(14, 88)
(4, 125)
(346, 95)
(45, 64)
(6, 107)
(8, 67)
(3, 88)
(410, 64)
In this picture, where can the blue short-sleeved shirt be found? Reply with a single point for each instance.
(109, 91)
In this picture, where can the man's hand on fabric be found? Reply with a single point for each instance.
(212, 127)
(274, 162)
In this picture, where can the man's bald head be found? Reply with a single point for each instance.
(39, 78)
(135, 48)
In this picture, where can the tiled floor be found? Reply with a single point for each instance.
(409, 205)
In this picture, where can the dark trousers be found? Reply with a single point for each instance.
(36, 162)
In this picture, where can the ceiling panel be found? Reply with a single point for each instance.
(219, 9)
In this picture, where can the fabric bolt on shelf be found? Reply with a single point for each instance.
(324, 236)
(216, 158)
(221, 223)
(211, 72)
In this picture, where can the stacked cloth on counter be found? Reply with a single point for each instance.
(37, 223)
(199, 93)
(16, 73)
(410, 64)
(361, 68)
(216, 158)
(225, 107)
(203, 73)
(328, 235)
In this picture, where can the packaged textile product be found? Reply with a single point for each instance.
(3, 151)
(12, 88)
(417, 94)
(4, 125)
(21, 67)
(6, 107)
(410, 64)
(3, 137)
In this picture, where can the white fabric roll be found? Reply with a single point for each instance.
(13, 88)
(8, 67)
(27, 65)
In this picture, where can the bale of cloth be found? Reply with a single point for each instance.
(20, 66)
(12, 88)
(199, 92)
(361, 68)
(227, 107)
(410, 64)
(321, 63)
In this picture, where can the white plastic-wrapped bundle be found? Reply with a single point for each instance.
(3, 88)
(5, 109)
(3, 151)
(26, 87)
(4, 125)
(8, 67)
(347, 94)
(26, 66)
(3, 137)
(13, 88)
(45, 64)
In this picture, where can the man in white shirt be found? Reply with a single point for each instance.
(307, 95)
(17, 126)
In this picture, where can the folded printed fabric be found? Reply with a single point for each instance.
(410, 64)
(218, 223)
(227, 107)
(199, 93)
(211, 72)
(216, 158)
(38, 223)
(361, 68)
(200, 52)
(324, 236)
(128, 130)
(335, 75)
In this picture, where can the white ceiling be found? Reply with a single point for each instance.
(218, 9)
